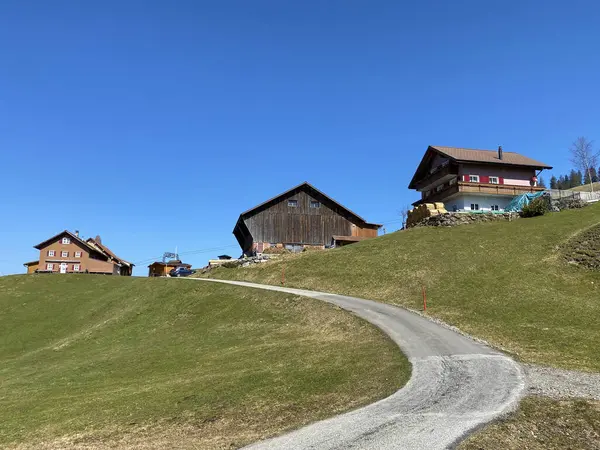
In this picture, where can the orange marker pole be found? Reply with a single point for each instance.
(424, 300)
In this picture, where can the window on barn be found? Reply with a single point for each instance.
(493, 180)
(315, 204)
(293, 203)
(474, 207)
(474, 178)
(495, 208)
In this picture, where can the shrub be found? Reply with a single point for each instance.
(537, 207)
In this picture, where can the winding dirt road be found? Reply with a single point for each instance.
(457, 385)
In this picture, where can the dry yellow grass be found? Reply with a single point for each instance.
(92, 362)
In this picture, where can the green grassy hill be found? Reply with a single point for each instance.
(587, 187)
(91, 361)
(507, 282)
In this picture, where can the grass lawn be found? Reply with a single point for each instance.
(506, 282)
(95, 362)
(542, 424)
(587, 187)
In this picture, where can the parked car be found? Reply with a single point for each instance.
(181, 272)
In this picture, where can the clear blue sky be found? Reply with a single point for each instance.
(154, 124)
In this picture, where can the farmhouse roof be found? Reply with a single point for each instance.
(90, 244)
(488, 156)
(305, 185)
(97, 242)
(67, 232)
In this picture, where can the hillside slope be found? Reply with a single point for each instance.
(94, 362)
(506, 282)
(587, 187)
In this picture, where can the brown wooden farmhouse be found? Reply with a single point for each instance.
(300, 217)
(66, 252)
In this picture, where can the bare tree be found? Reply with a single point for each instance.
(404, 214)
(584, 157)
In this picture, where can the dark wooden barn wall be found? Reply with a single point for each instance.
(281, 223)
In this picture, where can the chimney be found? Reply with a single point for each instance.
(97, 239)
(77, 233)
(499, 152)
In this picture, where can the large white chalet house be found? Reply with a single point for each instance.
(474, 180)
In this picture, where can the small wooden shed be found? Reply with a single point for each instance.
(162, 269)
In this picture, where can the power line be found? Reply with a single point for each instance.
(190, 252)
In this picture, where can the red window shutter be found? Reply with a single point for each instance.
(465, 177)
(501, 180)
(484, 179)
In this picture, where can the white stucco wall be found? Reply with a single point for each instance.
(463, 202)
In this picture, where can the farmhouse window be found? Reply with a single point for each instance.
(495, 208)
(66, 240)
(493, 180)
(51, 253)
(474, 178)
(77, 254)
(315, 204)
(75, 267)
(474, 207)
(64, 254)
(49, 266)
(293, 203)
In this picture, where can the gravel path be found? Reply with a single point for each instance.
(457, 385)
(558, 383)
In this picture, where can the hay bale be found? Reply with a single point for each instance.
(439, 205)
(429, 206)
(442, 211)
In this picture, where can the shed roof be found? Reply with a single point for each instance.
(31, 263)
(305, 185)
(170, 263)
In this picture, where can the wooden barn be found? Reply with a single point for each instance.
(300, 217)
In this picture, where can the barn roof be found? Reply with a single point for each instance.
(305, 185)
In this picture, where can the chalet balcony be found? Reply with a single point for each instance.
(478, 188)
(441, 173)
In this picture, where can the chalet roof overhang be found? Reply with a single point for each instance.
(315, 193)
(473, 156)
(64, 233)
